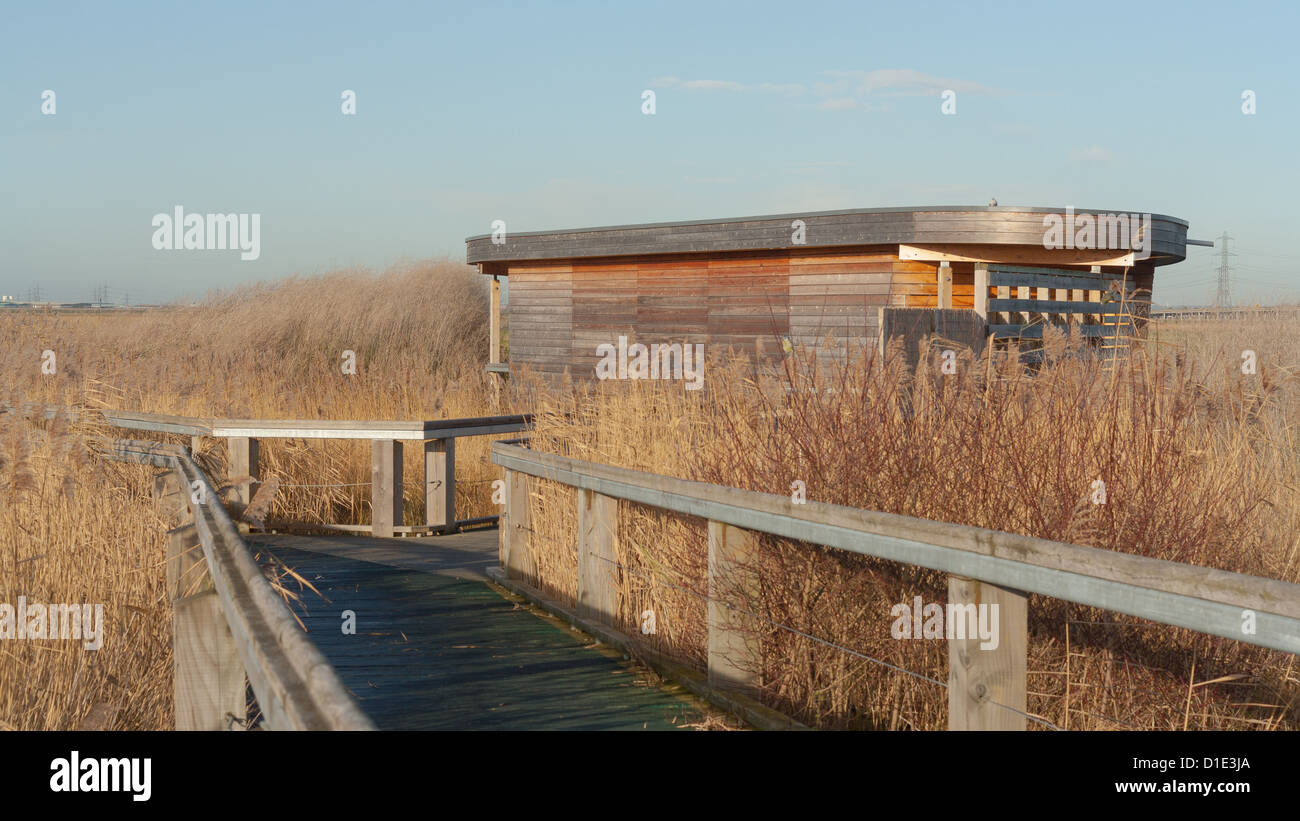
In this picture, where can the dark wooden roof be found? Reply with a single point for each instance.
(979, 225)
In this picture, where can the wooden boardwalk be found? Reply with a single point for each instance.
(438, 648)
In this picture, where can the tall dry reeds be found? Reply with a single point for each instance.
(418, 334)
(1199, 465)
(75, 528)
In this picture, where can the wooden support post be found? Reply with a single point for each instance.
(494, 323)
(1094, 295)
(514, 556)
(982, 289)
(983, 681)
(440, 484)
(243, 462)
(882, 333)
(385, 486)
(733, 642)
(945, 285)
(597, 530)
(1004, 292)
(207, 674)
(494, 343)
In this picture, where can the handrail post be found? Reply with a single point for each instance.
(514, 556)
(208, 675)
(734, 659)
(597, 531)
(244, 457)
(440, 484)
(986, 677)
(385, 486)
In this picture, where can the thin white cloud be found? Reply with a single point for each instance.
(905, 81)
(843, 90)
(714, 85)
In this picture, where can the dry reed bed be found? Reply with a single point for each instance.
(75, 528)
(78, 530)
(276, 351)
(1200, 463)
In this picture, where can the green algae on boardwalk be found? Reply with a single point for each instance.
(432, 652)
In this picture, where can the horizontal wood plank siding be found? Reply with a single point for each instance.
(835, 298)
(541, 316)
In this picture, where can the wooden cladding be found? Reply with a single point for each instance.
(562, 311)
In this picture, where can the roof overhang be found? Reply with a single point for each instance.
(981, 233)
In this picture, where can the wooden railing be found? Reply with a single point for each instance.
(1087, 304)
(986, 687)
(228, 623)
(387, 438)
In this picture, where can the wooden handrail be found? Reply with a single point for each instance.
(295, 685)
(289, 428)
(987, 685)
(1198, 598)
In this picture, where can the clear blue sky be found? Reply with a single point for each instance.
(531, 113)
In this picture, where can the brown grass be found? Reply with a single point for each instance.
(75, 528)
(1201, 465)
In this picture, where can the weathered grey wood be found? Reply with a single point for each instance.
(982, 290)
(385, 486)
(966, 225)
(1198, 598)
(734, 660)
(1036, 331)
(160, 422)
(207, 674)
(1046, 306)
(337, 429)
(1055, 279)
(597, 532)
(440, 483)
(986, 680)
(515, 555)
(295, 686)
(244, 462)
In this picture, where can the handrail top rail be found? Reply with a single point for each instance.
(292, 428)
(295, 685)
(1169, 592)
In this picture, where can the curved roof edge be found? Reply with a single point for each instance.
(971, 225)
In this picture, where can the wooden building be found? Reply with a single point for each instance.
(755, 282)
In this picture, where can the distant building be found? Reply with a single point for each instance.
(798, 279)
